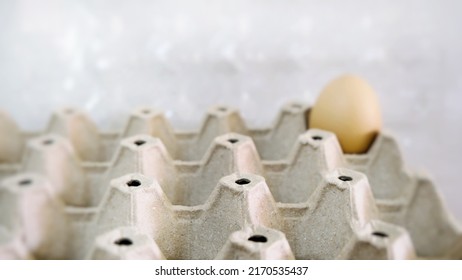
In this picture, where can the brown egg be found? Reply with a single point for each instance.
(349, 107)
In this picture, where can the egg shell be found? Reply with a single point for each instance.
(349, 107)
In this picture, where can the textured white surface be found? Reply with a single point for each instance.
(108, 57)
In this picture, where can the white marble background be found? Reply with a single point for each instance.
(108, 57)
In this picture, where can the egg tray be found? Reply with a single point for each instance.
(224, 192)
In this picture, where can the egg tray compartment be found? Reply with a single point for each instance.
(225, 192)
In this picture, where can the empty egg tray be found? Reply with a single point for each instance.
(223, 192)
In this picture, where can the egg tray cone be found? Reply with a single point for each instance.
(223, 192)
